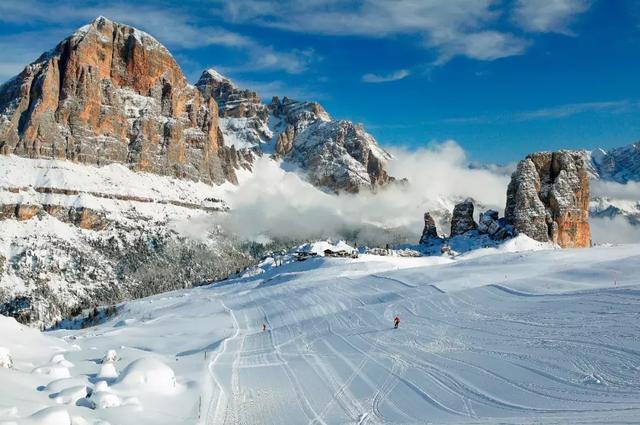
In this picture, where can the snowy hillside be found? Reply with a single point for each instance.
(491, 337)
(74, 235)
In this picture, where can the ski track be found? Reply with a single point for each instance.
(338, 334)
(501, 352)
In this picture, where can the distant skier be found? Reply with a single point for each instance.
(264, 327)
(396, 322)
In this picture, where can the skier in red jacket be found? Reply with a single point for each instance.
(396, 322)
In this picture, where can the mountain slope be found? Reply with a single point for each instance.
(620, 164)
(534, 337)
(75, 236)
(334, 154)
(616, 175)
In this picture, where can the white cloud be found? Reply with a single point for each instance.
(613, 230)
(571, 109)
(484, 45)
(452, 27)
(548, 15)
(550, 113)
(629, 191)
(394, 76)
(275, 204)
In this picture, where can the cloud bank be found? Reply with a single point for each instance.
(277, 205)
(614, 230)
(273, 204)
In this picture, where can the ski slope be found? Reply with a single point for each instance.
(535, 337)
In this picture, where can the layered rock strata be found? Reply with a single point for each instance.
(548, 198)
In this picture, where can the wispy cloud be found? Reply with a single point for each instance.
(385, 78)
(571, 109)
(452, 27)
(549, 113)
(470, 28)
(548, 15)
(483, 45)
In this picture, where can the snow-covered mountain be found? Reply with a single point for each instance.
(616, 176)
(73, 236)
(111, 159)
(333, 154)
(620, 164)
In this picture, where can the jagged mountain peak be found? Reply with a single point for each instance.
(619, 164)
(111, 93)
(102, 25)
(334, 154)
(214, 76)
(295, 110)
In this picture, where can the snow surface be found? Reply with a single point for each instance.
(115, 180)
(492, 336)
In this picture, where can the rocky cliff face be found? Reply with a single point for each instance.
(462, 220)
(548, 198)
(244, 119)
(334, 154)
(492, 225)
(112, 94)
(430, 231)
(338, 155)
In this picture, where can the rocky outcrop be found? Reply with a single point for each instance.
(244, 119)
(462, 220)
(548, 198)
(334, 154)
(430, 231)
(338, 155)
(110, 93)
(490, 224)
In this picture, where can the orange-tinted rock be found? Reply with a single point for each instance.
(548, 198)
(26, 211)
(110, 93)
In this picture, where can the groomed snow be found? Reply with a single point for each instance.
(506, 335)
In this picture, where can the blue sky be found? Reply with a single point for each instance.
(501, 77)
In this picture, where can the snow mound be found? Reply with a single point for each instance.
(5, 358)
(102, 386)
(58, 359)
(61, 384)
(71, 395)
(108, 371)
(111, 356)
(149, 375)
(104, 400)
(53, 371)
(523, 243)
(25, 345)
